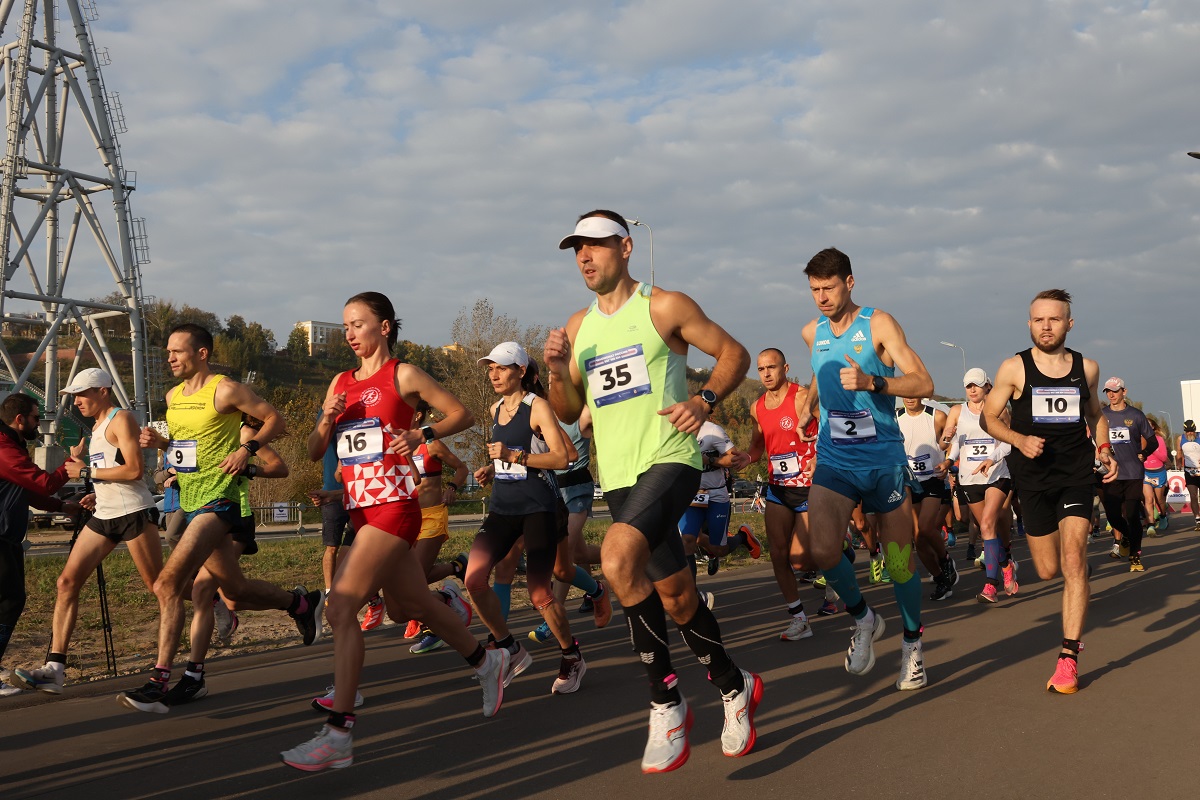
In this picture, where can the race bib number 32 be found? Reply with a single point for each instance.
(617, 376)
(360, 441)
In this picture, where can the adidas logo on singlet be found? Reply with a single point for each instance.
(858, 337)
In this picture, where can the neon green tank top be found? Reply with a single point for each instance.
(630, 374)
(200, 439)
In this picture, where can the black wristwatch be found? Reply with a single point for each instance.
(427, 432)
(252, 446)
(709, 397)
(878, 384)
(85, 473)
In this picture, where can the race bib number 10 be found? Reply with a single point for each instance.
(181, 455)
(1055, 404)
(617, 376)
(360, 441)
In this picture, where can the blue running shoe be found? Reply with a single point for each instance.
(541, 634)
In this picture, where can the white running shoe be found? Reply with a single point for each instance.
(8, 690)
(457, 603)
(667, 746)
(570, 674)
(797, 629)
(329, 749)
(518, 662)
(491, 678)
(325, 701)
(45, 679)
(738, 735)
(860, 656)
(912, 667)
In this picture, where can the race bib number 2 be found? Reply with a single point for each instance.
(617, 376)
(360, 441)
(851, 427)
(181, 455)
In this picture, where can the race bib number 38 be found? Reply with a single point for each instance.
(360, 441)
(1055, 404)
(181, 455)
(617, 376)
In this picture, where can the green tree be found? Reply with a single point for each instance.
(297, 344)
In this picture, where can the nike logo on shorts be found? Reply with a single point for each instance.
(1071, 505)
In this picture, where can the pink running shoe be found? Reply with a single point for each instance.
(1009, 574)
(988, 595)
(1066, 677)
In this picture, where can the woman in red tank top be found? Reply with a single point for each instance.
(370, 411)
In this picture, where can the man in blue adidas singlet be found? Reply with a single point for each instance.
(856, 352)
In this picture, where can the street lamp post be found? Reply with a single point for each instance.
(641, 224)
(964, 354)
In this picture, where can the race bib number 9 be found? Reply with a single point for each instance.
(617, 376)
(1055, 405)
(784, 466)
(510, 470)
(1118, 435)
(360, 441)
(181, 455)
(851, 427)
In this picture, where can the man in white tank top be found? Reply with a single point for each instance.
(922, 428)
(124, 512)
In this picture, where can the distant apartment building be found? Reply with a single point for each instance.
(320, 334)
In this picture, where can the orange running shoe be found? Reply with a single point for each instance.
(752, 543)
(413, 630)
(602, 606)
(374, 615)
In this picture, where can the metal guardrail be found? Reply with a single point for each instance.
(292, 513)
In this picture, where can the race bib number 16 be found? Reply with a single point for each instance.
(360, 441)
(617, 376)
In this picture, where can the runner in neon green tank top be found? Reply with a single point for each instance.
(202, 411)
(625, 357)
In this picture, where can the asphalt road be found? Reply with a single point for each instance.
(985, 726)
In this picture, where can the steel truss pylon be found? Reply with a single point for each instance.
(55, 102)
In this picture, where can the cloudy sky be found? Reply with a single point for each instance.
(964, 155)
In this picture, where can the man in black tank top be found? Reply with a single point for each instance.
(1054, 406)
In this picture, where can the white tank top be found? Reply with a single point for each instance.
(920, 443)
(975, 447)
(1191, 455)
(114, 498)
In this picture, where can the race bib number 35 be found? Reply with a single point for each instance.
(617, 376)
(181, 455)
(360, 441)
(1055, 404)
(851, 427)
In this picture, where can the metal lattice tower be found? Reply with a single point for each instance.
(55, 105)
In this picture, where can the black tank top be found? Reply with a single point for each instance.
(1053, 409)
(521, 490)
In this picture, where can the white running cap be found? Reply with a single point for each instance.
(506, 354)
(90, 378)
(593, 228)
(976, 376)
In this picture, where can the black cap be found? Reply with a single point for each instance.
(1189, 426)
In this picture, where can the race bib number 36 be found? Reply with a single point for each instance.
(181, 455)
(1055, 404)
(360, 441)
(617, 376)
(851, 427)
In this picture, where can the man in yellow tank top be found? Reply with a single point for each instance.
(203, 417)
(626, 357)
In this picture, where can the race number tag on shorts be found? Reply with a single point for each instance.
(96, 460)
(700, 500)
(1055, 404)
(979, 450)
(360, 441)
(920, 465)
(510, 470)
(784, 466)
(851, 427)
(181, 455)
(1118, 435)
(616, 376)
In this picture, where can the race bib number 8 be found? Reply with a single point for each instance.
(784, 466)
(360, 441)
(617, 376)
(851, 427)
(181, 455)
(1055, 404)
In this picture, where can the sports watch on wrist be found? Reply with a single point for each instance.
(427, 432)
(710, 398)
(878, 384)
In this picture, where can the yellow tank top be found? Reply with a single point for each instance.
(201, 438)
